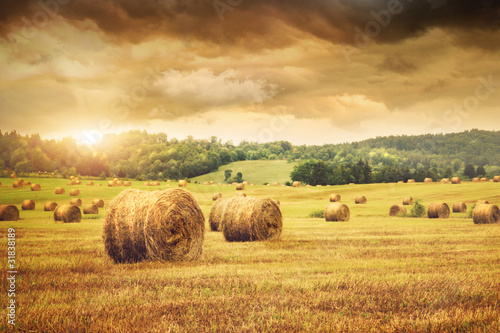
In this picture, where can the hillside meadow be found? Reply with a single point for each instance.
(374, 273)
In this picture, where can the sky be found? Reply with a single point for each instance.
(309, 72)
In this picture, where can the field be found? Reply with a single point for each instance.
(372, 274)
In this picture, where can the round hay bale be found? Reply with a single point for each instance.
(78, 182)
(401, 182)
(27, 184)
(216, 213)
(240, 187)
(334, 197)
(119, 183)
(206, 183)
(71, 177)
(456, 180)
(36, 187)
(482, 202)
(246, 183)
(486, 214)
(90, 209)
(90, 184)
(459, 207)
(337, 212)
(445, 180)
(127, 183)
(0, 183)
(241, 194)
(99, 184)
(360, 199)
(75, 202)
(234, 183)
(276, 184)
(13, 175)
(20, 180)
(169, 180)
(277, 202)
(59, 190)
(50, 206)
(411, 181)
(74, 192)
(9, 213)
(216, 196)
(428, 180)
(476, 180)
(496, 179)
(156, 184)
(183, 183)
(147, 184)
(251, 219)
(407, 201)
(28, 204)
(296, 184)
(116, 179)
(67, 214)
(484, 179)
(111, 183)
(396, 210)
(17, 184)
(98, 202)
(163, 225)
(438, 210)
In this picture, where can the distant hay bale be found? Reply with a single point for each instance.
(411, 181)
(99, 184)
(459, 207)
(240, 187)
(70, 183)
(27, 184)
(482, 202)
(76, 202)
(216, 196)
(60, 190)
(216, 213)
(234, 183)
(206, 183)
(486, 214)
(28, 204)
(74, 192)
(9, 213)
(147, 184)
(212, 182)
(428, 180)
(241, 194)
(183, 183)
(17, 184)
(276, 184)
(50, 206)
(246, 183)
(163, 225)
(476, 180)
(445, 180)
(119, 183)
(127, 183)
(360, 199)
(251, 219)
(36, 187)
(156, 184)
(484, 179)
(296, 184)
(352, 184)
(98, 202)
(90, 209)
(67, 214)
(90, 184)
(438, 210)
(334, 197)
(407, 201)
(169, 180)
(13, 175)
(71, 177)
(396, 210)
(456, 180)
(111, 183)
(401, 182)
(496, 179)
(337, 212)
(116, 179)
(78, 182)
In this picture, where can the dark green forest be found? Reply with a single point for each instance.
(142, 155)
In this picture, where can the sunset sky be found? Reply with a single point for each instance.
(310, 72)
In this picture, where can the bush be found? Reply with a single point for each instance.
(317, 213)
(288, 183)
(103, 175)
(418, 209)
(471, 209)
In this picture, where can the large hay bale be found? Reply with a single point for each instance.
(337, 212)
(67, 214)
(90, 184)
(183, 183)
(428, 180)
(216, 213)
(438, 210)
(98, 202)
(276, 184)
(90, 209)
(459, 207)
(411, 181)
(50, 206)
(216, 196)
(476, 180)
(407, 201)
(396, 210)
(296, 184)
(482, 202)
(59, 190)
(360, 199)
(154, 225)
(9, 213)
(36, 187)
(251, 219)
(483, 214)
(28, 204)
(75, 202)
(335, 197)
(111, 183)
(240, 187)
(74, 192)
(496, 179)
(17, 184)
(456, 180)
(445, 180)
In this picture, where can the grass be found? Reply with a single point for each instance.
(372, 274)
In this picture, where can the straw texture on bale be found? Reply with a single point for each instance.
(486, 214)
(240, 187)
(251, 219)
(90, 209)
(98, 202)
(459, 207)
(334, 197)
(482, 202)
(28, 204)
(216, 213)
(428, 180)
(9, 213)
(445, 180)
(407, 201)
(438, 210)
(74, 192)
(50, 206)
(90, 184)
(17, 184)
(411, 181)
(183, 183)
(59, 190)
(216, 196)
(456, 180)
(36, 187)
(276, 184)
(67, 214)
(360, 199)
(496, 179)
(75, 202)
(337, 212)
(296, 184)
(397, 209)
(163, 225)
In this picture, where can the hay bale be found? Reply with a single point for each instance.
(111, 183)
(459, 207)
(484, 179)
(28, 204)
(78, 182)
(428, 180)
(74, 192)
(156, 184)
(456, 180)
(67, 214)
(71, 177)
(9, 213)
(116, 179)
(163, 225)
(59, 190)
(241, 194)
(337, 212)
(90, 184)
(216, 213)
(169, 180)
(276, 184)
(483, 214)
(216, 196)
(277, 201)
(206, 183)
(476, 180)
(246, 183)
(127, 183)
(50, 206)
(90, 209)
(36, 187)
(27, 184)
(445, 180)
(411, 181)
(21, 180)
(98, 202)
(407, 201)
(17, 184)
(251, 219)
(240, 187)
(360, 199)
(438, 210)
(13, 175)
(482, 202)
(99, 184)
(183, 183)
(296, 184)
(75, 202)
(334, 197)
(147, 184)
(401, 182)
(496, 179)
(119, 183)
(396, 210)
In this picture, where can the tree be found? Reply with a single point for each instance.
(470, 171)
(227, 174)
(312, 172)
(239, 177)
(480, 171)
